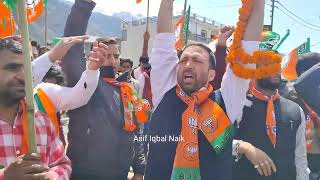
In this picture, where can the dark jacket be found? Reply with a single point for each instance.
(252, 129)
(98, 146)
(166, 121)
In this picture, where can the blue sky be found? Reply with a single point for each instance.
(226, 12)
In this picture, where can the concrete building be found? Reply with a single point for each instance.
(201, 29)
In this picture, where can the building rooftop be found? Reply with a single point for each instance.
(193, 17)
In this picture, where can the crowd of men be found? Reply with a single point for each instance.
(179, 115)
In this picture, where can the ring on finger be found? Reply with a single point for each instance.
(256, 166)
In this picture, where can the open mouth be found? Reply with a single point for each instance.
(188, 77)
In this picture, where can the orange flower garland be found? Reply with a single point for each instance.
(237, 56)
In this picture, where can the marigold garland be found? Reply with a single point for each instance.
(237, 57)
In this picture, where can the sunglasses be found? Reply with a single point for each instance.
(10, 44)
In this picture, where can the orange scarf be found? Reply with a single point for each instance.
(44, 105)
(271, 118)
(133, 105)
(312, 127)
(207, 116)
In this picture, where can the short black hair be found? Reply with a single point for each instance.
(146, 66)
(212, 57)
(55, 73)
(307, 61)
(143, 59)
(34, 43)
(122, 61)
(107, 41)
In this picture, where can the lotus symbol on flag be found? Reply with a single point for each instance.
(32, 3)
(34, 9)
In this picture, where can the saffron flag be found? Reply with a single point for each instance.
(139, 1)
(11, 4)
(289, 62)
(35, 9)
(6, 21)
(182, 36)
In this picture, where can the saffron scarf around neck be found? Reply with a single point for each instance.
(133, 105)
(270, 117)
(202, 114)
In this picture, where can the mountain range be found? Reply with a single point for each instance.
(99, 24)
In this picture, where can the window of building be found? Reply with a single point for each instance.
(124, 35)
(203, 33)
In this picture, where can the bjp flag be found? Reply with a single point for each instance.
(7, 24)
(35, 9)
(139, 1)
(289, 62)
(182, 30)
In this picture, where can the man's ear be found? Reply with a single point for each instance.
(212, 74)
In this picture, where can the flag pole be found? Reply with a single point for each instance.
(24, 31)
(276, 47)
(46, 26)
(148, 15)
(184, 15)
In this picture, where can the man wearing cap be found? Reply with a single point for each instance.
(51, 162)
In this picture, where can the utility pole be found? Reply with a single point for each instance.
(272, 14)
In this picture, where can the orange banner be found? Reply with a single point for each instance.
(289, 71)
(6, 22)
(34, 10)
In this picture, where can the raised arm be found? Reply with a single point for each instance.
(164, 57)
(64, 98)
(73, 64)
(219, 46)
(40, 67)
(146, 37)
(42, 64)
(233, 88)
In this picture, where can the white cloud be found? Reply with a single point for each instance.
(114, 6)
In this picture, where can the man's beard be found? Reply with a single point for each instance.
(189, 90)
(199, 81)
(10, 98)
(267, 84)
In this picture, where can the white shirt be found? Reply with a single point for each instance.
(137, 72)
(141, 81)
(65, 98)
(164, 62)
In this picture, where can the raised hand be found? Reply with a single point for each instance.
(99, 56)
(146, 36)
(61, 49)
(224, 34)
